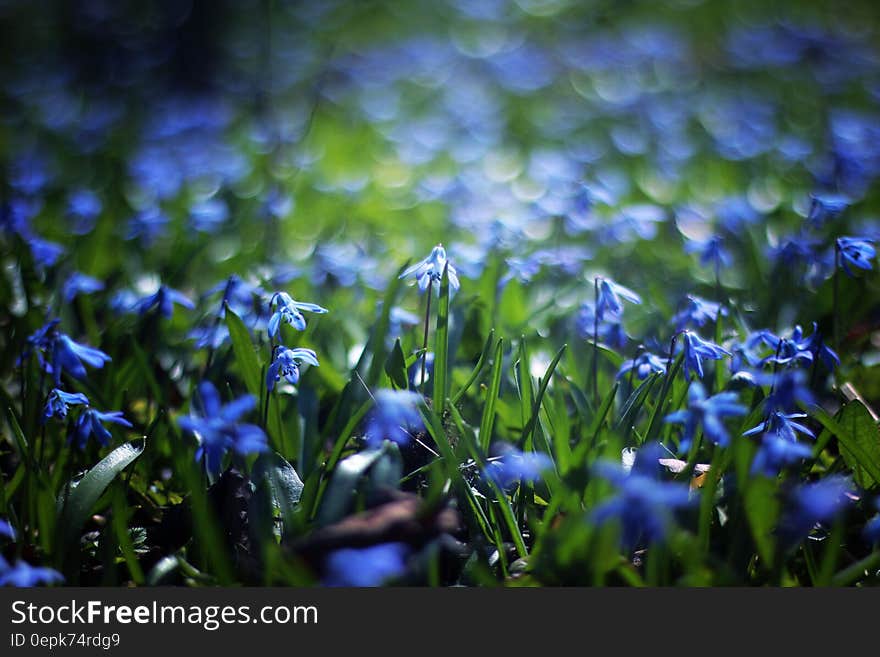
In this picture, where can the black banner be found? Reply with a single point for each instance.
(397, 621)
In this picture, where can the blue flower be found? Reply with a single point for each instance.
(644, 503)
(395, 415)
(711, 252)
(288, 310)
(706, 411)
(611, 331)
(825, 206)
(71, 355)
(782, 425)
(23, 575)
(815, 503)
(44, 252)
(857, 252)
(871, 530)
(609, 298)
(788, 389)
(90, 423)
(207, 216)
(777, 453)
(147, 225)
(431, 270)
(285, 362)
(816, 345)
(795, 250)
(7, 530)
(369, 566)
(513, 466)
(83, 206)
(217, 428)
(58, 401)
(695, 350)
(644, 364)
(784, 350)
(163, 300)
(698, 312)
(79, 283)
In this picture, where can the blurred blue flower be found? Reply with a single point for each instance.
(44, 252)
(811, 504)
(824, 206)
(394, 416)
(163, 300)
(709, 412)
(285, 363)
(90, 423)
(148, 225)
(209, 215)
(611, 331)
(695, 350)
(608, 300)
(288, 310)
(697, 313)
(782, 425)
(513, 466)
(58, 402)
(23, 575)
(217, 429)
(83, 207)
(369, 566)
(7, 530)
(644, 504)
(644, 365)
(788, 389)
(795, 250)
(857, 252)
(431, 269)
(79, 283)
(777, 453)
(871, 530)
(711, 252)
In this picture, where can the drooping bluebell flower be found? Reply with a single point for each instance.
(644, 504)
(217, 429)
(795, 250)
(710, 412)
(369, 566)
(58, 402)
(782, 425)
(856, 252)
(394, 417)
(824, 206)
(44, 252)
(512, 466)
(7, 530)
(83, 207)
(816, 346)
(815, 503)
(430, 270)
(644, 365)
(79, 283)
(286, 362)
(697, 313)
(608, 300)
(70, 355)
(695, 350)
(163, 300)
(777, 453)
(711, 252)
(90, 422)
(289, 311)
(23, 575)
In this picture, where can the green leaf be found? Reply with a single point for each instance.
(76, 505)
(762, 509)
(542, 389)
(245, 354)
(492, 397)
(337, 498)
(380, 330)
(478, 368)
(395, 367)
(859, 439)
(441, 345)
(284, 483)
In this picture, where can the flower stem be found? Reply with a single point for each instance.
(425, 339)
